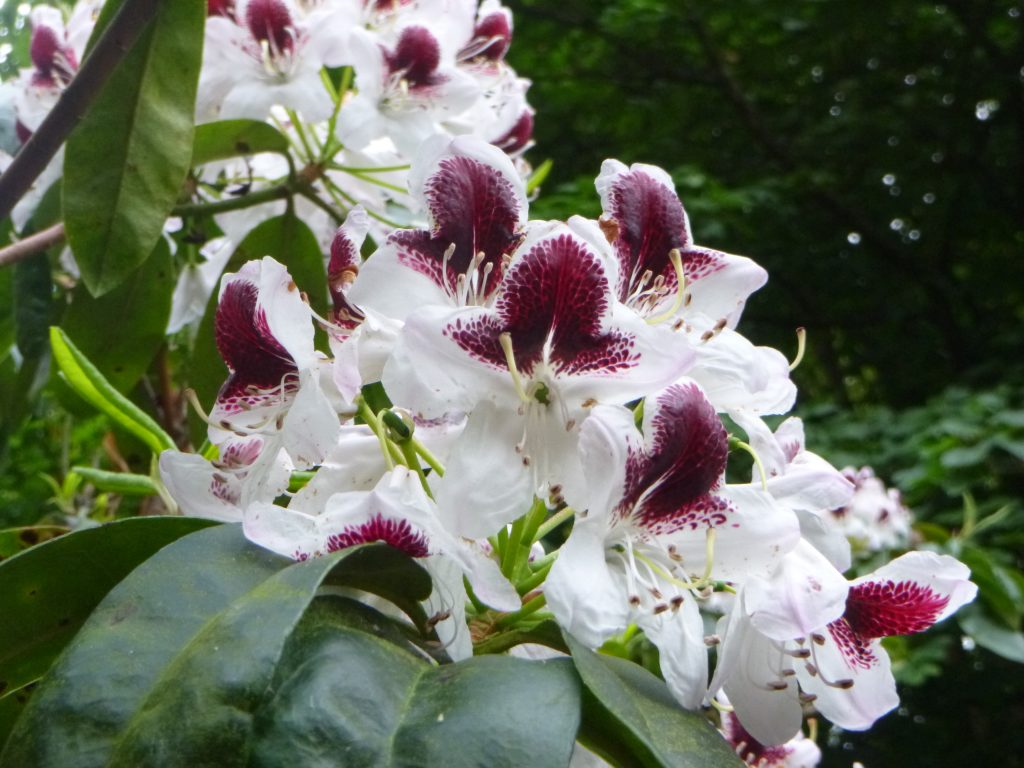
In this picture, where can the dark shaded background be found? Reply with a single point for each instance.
(870, 156)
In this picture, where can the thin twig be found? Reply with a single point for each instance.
(31, 245)
(115, 42)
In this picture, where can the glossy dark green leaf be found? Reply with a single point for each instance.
(126, 161)
(200, 711)
(291, 242)
(173, 664)
(231, 138)
(630, 716)
(33, 305)
(48, 591)
(111, 665)
(121, 331)
(387, 573)
(14, 540)
(347, 697)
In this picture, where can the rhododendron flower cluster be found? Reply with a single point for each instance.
(355, 85)
(494, 379)
(537, 411)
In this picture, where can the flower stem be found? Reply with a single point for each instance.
(530, 607)
(553, 522)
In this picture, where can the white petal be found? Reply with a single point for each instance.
(486, 484)
(679, 637)
(856, 708)
(804, 593)
(748, 671)
(588, 600)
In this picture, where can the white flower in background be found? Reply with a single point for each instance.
(874, 519)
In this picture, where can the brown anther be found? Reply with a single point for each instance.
(609, 227)
(778, 685)
(589, 402)
(634, 600)
(819, 639)
(676, 602)
(660, 608)
(707, 335)
(843, 685)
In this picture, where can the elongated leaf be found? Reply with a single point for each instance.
(347, 697)
(14, 540)
(126, 161)
(172, 666)
(112, 663)
(47, 592)
(121, 331)
(90, 384)
(118, 482)
(231, 138)
(200, 711)
(629, 715)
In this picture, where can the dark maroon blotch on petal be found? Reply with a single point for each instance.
(672, 481)
(225, 8)
(416, 57)
(395, 533)
(559, 290)
(519, 137)
(52, 59)
(255, 358)
(341, 273)
(749, 749)
(473, 207)
(885, 608)
(270, 21)
(855, 649)
(651, 223)
(492, 37)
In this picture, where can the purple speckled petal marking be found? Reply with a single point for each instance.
(393, 532)
(416, 58)
(553, 303)
(474, 208)
(269, 21)
(885, 608)
(646, 221)
(341, 273)
(669, 484)
(257, 361)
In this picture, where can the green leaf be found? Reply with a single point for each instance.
(33, 304)
(990, 634)
(231, 138)
(200, 711)
(121, 331)
(90, 384)
(173, 665)
(346, 697)
(118, 482)
(111, 665)
(630, 716)
(126, 161)
(48, 591)
(14, 540)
